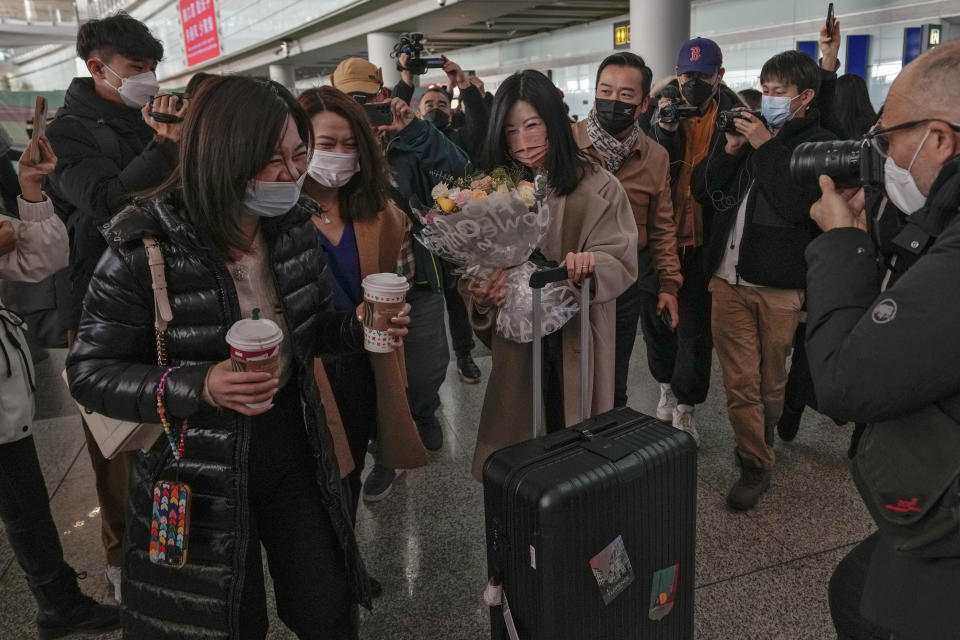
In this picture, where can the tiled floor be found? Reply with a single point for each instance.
(760, 575)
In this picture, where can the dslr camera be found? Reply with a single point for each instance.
(677, 110)
(850, 163)
(727, 120)
(412, 45)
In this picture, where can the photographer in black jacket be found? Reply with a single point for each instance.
(760, 228)
(890, 359)
(110, 148)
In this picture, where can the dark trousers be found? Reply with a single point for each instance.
(25, 511)
(461, 333)
(356, 391)
(846, 591)
(800, 392)
(288, 518)
(554, 416)
(426, 352)
(682, 357)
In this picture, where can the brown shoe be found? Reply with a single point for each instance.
(754, 480)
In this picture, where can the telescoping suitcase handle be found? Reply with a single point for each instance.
(538, 280)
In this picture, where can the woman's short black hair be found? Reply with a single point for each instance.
(365, 195)
(118, 34)
(793, 67)
(628, 59)
(230, 133)
(565, 164)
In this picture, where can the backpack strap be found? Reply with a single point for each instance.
(162, 313)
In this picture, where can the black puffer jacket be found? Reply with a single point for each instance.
(777, 227)
(105, 154)
(112, 370)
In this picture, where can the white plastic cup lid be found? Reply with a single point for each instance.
(255, 334)
(385, 282)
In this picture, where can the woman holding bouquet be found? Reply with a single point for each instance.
(592, 231)
(361, 232)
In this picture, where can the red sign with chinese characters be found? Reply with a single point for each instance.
(199, 21)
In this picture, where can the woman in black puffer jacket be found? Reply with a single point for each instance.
(234, 236)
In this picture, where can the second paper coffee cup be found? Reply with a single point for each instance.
(384, 296)
(255, 346)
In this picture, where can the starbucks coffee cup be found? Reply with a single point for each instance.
(384, 296)
(255, 346)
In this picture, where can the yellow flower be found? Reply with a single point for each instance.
(525, 183)
(477, 195)
(446, 204)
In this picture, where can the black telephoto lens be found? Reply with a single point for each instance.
(839, 159)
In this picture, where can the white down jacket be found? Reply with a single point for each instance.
(42, 250)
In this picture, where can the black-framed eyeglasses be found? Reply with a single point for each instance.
(877, 135)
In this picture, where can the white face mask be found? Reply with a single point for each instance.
(776, 110)
(332, 169)
(900, 186)
(137, 90)
(272, 199)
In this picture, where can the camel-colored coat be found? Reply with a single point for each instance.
(378, 244)
(595, 217)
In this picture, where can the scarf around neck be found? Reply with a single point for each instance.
(614, 152)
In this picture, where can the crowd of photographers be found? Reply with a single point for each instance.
(785, 226)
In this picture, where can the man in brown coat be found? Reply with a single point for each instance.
(612, 137)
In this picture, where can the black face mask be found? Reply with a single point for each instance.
(438, 118)
(615, 116)
(696, 92)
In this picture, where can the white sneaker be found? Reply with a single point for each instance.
(683, 420)
(667, 404)
(113, 575)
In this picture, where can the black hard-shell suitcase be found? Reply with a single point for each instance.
(591, 530)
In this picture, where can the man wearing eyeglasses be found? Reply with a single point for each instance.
(888, 357)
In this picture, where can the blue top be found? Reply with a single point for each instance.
(343, 260)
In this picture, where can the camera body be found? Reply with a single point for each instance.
(167, 118)
(412, 45)
(727, 120)
(850, 163)
(676, 111)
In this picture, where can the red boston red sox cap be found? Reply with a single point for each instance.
(700, 55)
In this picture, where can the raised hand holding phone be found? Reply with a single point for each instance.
(39, 127)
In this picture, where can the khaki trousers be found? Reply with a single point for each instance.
(753, 329)
(112, 483)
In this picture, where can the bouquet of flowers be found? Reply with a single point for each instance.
(484, 222)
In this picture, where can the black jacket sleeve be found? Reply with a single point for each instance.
(716, 177)
(876, 355)
(477, 119)
(826, 104)
(112, 367)
(672, 141)
(92, 182)
(403, 91)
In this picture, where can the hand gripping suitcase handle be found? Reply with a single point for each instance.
(538, 280)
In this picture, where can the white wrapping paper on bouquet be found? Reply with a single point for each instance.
(500, 231)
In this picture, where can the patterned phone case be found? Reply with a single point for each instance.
(170, 524)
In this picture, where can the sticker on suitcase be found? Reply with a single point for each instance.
(611, 567)
(663, 592)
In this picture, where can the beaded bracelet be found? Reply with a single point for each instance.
(176, 448)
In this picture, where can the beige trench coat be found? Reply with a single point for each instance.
(595, 217)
